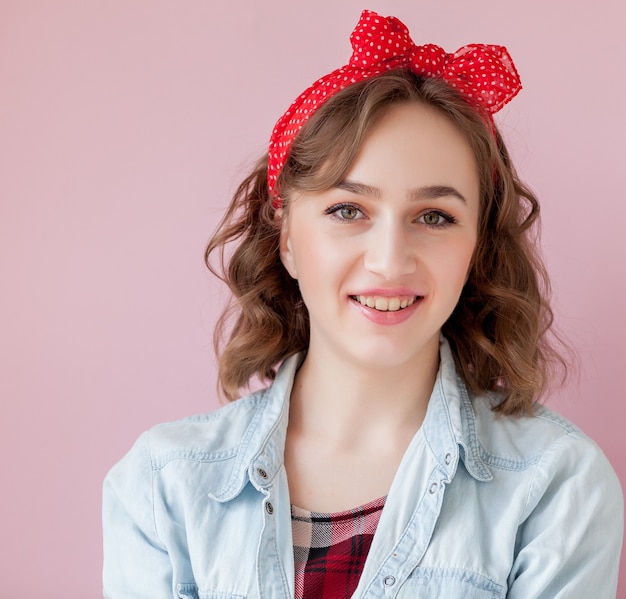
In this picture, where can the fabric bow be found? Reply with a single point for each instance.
(483, 74)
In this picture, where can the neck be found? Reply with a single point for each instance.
(343, 401)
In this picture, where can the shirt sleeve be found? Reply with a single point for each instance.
(136, 564)
(569, 543)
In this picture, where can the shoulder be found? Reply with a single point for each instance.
(214, 436)
(210, 436)
(221, 444)
(213, 431)
(524, 437)
(244, 424)
(545, 442)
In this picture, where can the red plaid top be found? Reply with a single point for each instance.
(330, 549)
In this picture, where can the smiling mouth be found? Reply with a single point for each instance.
(385, 304)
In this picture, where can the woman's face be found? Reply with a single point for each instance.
(381, 258)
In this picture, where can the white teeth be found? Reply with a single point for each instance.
(394, 304)
(385, 304)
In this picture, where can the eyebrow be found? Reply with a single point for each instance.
(428, 192)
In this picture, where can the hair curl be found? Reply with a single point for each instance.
(500, 329)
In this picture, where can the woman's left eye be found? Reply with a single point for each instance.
(436, 219)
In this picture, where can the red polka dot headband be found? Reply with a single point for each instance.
(483, 74)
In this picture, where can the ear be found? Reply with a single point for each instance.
(286, 251)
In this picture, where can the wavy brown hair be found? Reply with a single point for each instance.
(500, 330)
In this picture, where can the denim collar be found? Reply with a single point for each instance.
(450, 423)
(449, 429)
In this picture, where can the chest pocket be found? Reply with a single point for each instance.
(449, 583)
(190, 591)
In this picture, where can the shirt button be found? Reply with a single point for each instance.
(269, 508)
(389, 581)
(262, 473)
(433, 488)
(448, 459)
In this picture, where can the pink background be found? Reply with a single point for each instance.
(124, 127)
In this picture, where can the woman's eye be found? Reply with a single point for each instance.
(436, 219)
(344, 212)
(349, 212)
(432, 218)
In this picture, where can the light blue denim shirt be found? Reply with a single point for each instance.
(481, 507)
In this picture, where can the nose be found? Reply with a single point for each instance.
(389, 252)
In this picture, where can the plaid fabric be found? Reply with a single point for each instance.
(330, 549)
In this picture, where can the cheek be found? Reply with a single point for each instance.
(324, 265)
(456, 262)
(315, 263)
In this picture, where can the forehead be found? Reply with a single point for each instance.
(413, 144)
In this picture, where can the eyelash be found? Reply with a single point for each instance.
(332, 211)
(448, 219)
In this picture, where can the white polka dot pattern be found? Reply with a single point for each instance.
(483, 74)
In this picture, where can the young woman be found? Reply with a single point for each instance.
(385, 280)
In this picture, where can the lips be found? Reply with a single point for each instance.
(385, 303)
(386, 307)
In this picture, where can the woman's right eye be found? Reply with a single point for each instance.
(344, 212)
